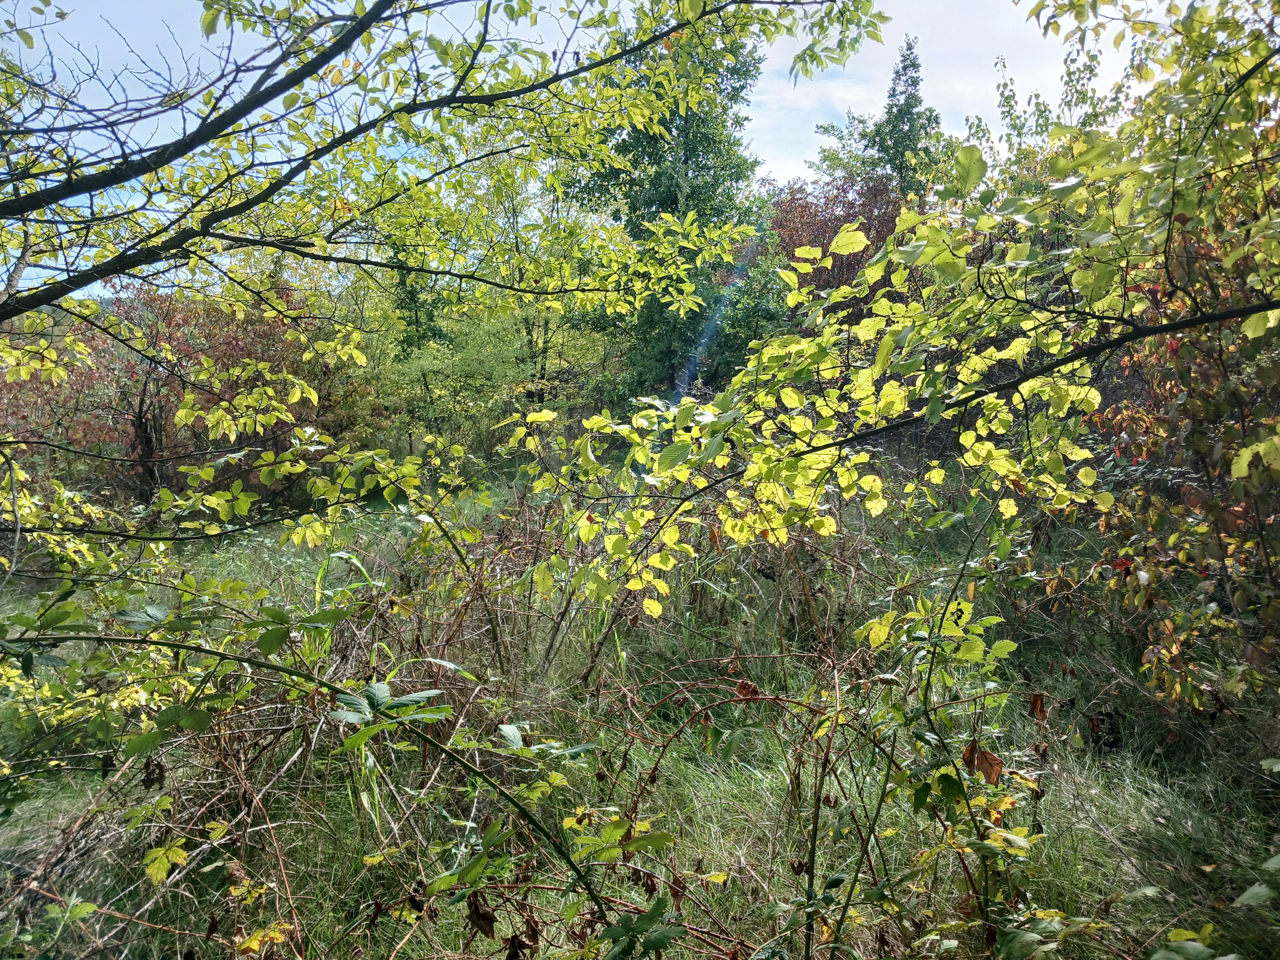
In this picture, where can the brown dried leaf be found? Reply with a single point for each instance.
(989, 765)
(480, 916)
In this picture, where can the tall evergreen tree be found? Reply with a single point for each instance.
(900, 143)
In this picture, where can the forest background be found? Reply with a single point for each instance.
(452, 507)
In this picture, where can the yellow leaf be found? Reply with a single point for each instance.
(823, 526)
(849, 240)
(652, 607)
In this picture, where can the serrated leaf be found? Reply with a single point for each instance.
(660, 938)
(1002, 648)
(377, 695)
(80, 911)
(674, 455)
(412, 699)
(353, 702)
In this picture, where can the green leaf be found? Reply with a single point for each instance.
(950, 788)
(673, 456)
(471, 871)
(649, 841)
(322, 618)
(792, 397)
(849, 240)
(920, 797)
(144, 620)
(353, 702)
(412, 699)
(713, 449)
(348, 716)
(1255, 896)
(455, 667)
(275, 614)
(80, 911)
(511, 733)
(377, 695)
(170, 715)
(157, 862)
(970, 168)
(1002, 648)
(660, 938)
(269, 641)
(1260, 323)
(197, 721)
(363, 735)
(984, 849)
(1184, 950)
(144, 743)
(1014, 944)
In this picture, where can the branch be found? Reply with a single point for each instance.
(206, 131)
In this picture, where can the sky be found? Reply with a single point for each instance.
(959, 42)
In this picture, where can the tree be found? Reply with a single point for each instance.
(904, 142)
(694, 163)
(811, 214)
(115, 409)
(340, 138)
(1149, 249)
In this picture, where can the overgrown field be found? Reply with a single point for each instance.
(752, 762)
(455, 504)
